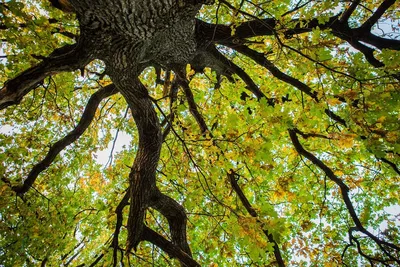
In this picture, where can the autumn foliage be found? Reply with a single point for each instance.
(275, 125)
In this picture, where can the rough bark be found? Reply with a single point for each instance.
(127, 35)
(132, 35)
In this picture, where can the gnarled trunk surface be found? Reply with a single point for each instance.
(130, 36)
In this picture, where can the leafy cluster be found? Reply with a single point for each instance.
(285, 150)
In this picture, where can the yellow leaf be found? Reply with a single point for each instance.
(334, 101)
(381, 119)
(338, 173)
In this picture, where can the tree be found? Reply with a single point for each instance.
(263, 133)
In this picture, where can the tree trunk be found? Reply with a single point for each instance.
(130, 36)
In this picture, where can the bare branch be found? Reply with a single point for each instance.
(173, 250)
(67, 58)
(192, 104)
(118, 224)
(344, 189)
(391, 164)
(71, 137)
(263, 61)
(176, 217)
(232, 178)
(348, 12)
(367, 25)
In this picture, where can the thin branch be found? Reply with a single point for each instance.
(296, 7)
(237, 10)
(173, 96)
(192, 104)
(335, 117)
(66, 34)
(263, 61)
(97, 260)
(118, 211)
(24, 25)
(391, 164)
(232, 178)
(110, 158)
(307, 135)
(344, 189)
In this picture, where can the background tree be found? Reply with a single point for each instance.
(262, 133)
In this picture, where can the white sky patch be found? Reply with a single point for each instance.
(123, 141)
(7, 129)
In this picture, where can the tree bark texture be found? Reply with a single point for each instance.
(131, 35)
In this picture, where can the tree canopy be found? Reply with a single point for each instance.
(256, 133)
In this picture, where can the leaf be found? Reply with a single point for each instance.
(284, 98)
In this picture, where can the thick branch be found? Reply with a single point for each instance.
(173, 250)
(142, 176)
(355, 36)
(260, 27)
(215, 60)
(391, 164)
(379, 42)
(71, 137)
(367, 25)
(367, 51)
(176, 217)
(346, 14)
(143, 192)
(222, 34)
(67, 58)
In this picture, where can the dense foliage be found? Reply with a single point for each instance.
(281, 141)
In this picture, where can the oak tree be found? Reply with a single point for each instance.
(257, 133)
